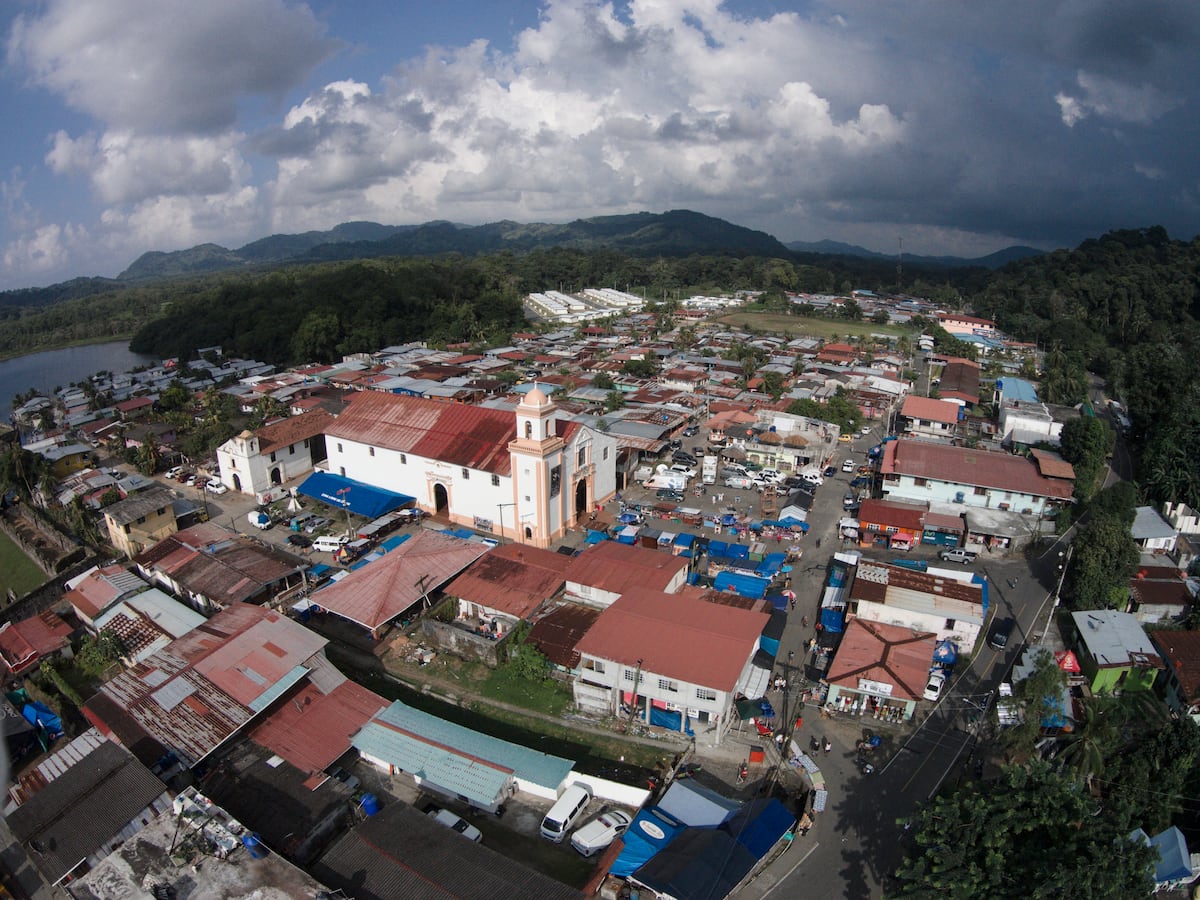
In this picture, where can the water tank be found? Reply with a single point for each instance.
(370, 804)
(253, 843)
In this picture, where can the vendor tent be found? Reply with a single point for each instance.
(345, 493)
(652, 829)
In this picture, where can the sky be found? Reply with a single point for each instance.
(955, 126)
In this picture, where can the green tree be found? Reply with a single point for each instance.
(146, 455)
(1104, 560)
(603, 381)
(640, 368)
(1031, 833)
(772, 383)
(613, 400)
(1040, 697)
(1086, 443)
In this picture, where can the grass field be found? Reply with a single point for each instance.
(17, 571)
(798, 326)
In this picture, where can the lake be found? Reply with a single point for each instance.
(57, 368)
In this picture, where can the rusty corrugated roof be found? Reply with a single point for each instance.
(556, 633)
(454, 433)
(512, 579)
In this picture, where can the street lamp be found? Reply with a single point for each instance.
(342, 492)
(500, 507)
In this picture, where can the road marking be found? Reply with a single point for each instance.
(789, 872)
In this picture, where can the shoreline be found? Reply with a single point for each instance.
(104, 339)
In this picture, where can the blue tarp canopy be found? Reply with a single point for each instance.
(945, 653)
(651, 830)
(684, 540)
(759, 825)
(595, 537)
(665, 718)
(703, 862)
(362, 499)
(778, 601)
(833, 619)
(743, 585)
(391, 543)
(1174, 861)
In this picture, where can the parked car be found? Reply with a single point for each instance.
(848, 501)
(676, 444)
(299, 540)
(330, 543)
(191, 480)
(173, 472)
(682, 456)
(455, 822)
(683, 470)
(848, 466)
(315, 523)
(845, 437)
(669, 494)
(739, 482)
(933, 688)
(958, 555)
(829, 472)
(860, 481)
(215, 487)
(596, 834)
(691, 431)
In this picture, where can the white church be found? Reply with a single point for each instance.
(528, 477)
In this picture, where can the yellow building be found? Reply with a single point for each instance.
(141, 520)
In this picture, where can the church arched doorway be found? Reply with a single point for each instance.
(441, 500)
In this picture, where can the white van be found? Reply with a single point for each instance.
(566, 812)
(329, 543)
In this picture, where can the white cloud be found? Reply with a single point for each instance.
(167, 65)
(1108, 98)
(45, 249)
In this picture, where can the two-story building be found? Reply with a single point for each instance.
(528, 477)
(141, 520)
(1114, 652)
(948, 604)
(602, 573)
(925, 471)
(927, 417)
(258, 463)
(879, 670)
(1179, 680)
(670, 652)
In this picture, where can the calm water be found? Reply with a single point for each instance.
(57, 368)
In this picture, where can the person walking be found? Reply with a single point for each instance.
(803, 619)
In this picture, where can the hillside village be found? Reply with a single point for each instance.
(713, 553)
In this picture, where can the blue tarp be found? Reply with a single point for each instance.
(982, 581)
(393, 542)
(684, 540)
(945, 653)
(703, 862)
(718, 549)
(36, 713)
(651, 830)
(362, 499)
(778, 601)
(759, 825)
(833, 619)
(465, 533)
(665, 718)
(743, 585)
(1174, 860)
(595, 537)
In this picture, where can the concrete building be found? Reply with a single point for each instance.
(141, 520)
(528, 477)
(260, 463)
(685, 657)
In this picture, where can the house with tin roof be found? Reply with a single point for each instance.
(603, 572)
(455, 761)
(879, 667)
(527, 475)
(25, 643)
(675, 653)
(140, 520)
(1179, 681)
(232, 672)
(1114, 652)
(947, 603)
(928, 417)
(925, 471)
(508, 585)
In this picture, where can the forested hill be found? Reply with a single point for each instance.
(674, 233)
(1126, 306)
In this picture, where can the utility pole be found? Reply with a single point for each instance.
(342, 492)
(500, 507)
(637, 680)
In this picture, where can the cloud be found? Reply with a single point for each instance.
(46, 249)
(167, 66)
(852, 120)
(1111, 99)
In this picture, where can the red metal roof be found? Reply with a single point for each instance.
(615, 567)
(1052, 465)
(558, 632)
(969, 467)
(181, 697)
(311, 729)
(675, 636)
(293, 430)
(512, 579)
(885, 513)
(930, 410)
(887, 654)
(381, 590)
(1181, 652)
(454, 433)
(23, 643)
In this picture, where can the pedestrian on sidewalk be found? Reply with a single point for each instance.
(803, 619)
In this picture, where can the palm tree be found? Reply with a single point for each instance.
(1094, 737)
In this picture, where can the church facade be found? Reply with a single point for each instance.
(523, 475)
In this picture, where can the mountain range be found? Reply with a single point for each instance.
(672, 233)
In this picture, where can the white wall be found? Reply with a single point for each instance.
(965, 633)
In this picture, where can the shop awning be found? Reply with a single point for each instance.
(362, 499)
